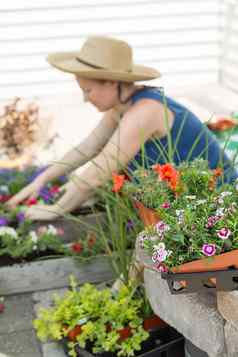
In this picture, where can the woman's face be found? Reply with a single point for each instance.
(102, 94)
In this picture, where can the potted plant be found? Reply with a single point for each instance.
(194, 227)
(99, 321)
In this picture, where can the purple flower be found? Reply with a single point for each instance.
(20, 217)
(129, 225)
(209, 249)
(224, 233)
(166, 205)
(46, 195)
(3, 221)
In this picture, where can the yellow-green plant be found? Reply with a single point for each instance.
(101, 314)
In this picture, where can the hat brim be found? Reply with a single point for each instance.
(67, 62)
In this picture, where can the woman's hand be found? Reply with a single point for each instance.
(43, 212)
(30, 191)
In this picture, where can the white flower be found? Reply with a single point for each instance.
(226, 193)
(34, 247)
(201, 202)
(8, 230)
(179, 212)
(34, 236)
(4, 189)
(52, 230)
(220, 212)
(159, 246)
(191, 197)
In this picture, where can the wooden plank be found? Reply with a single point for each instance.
(52, 274)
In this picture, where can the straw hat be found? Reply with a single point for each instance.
(103, 58)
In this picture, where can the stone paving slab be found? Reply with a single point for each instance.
(20, 344)
(52, 350)
(18, 314)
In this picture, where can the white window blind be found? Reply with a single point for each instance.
(179, 37)
(229, 45)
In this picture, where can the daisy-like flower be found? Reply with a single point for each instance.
(34, 236)
(224, 233)
(209, 249)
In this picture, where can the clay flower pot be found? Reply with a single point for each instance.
(147, 215)
(153, 323)
(217, 262)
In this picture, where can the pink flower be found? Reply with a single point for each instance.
(60, 231)
(42, 230)
(161, 227)
(212, 220)
(159, 255)
(166, 205)
(209, 249)
(162, 268)
(224, 233)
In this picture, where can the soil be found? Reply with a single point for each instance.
(6, 260)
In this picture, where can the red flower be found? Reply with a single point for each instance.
(118, 181)
(54, 189)
(77, 247)
(72, 334)
(31, 201)
(91, 240)
(2, 307)
(4, 198)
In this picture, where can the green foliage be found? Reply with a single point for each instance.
(199, 220)
(102, 314)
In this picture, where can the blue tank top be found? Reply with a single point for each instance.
(189, 138)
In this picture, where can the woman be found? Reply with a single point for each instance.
(135, 116)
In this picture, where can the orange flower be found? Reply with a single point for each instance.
(167, 172)
(118, 181)
(217, 172)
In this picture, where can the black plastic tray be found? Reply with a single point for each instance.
(186, 283)
(165, 342)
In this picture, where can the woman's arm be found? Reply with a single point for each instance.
(85, 151)
(137, 126)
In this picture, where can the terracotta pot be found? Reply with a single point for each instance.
(153, 322)
(218, 262)
(147, 215)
